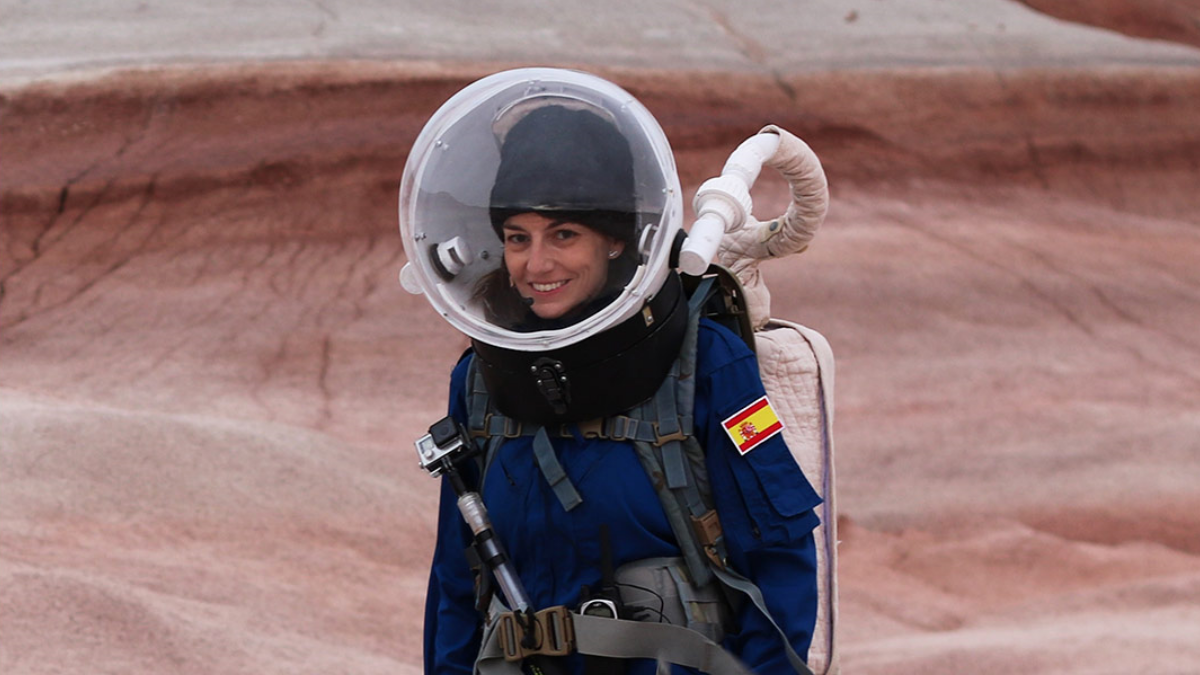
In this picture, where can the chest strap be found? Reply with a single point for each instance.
(615, 428)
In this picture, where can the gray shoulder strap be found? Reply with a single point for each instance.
(678, 515)
(552, 471)
(477, 398)
(675, 462)
(680, 474)
(746, 587)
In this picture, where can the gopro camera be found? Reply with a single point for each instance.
(445, 444)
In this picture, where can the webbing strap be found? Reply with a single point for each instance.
(490, 660)
(499, 425)
(477, 405)
(746, 587)
(687, 597)
(686, 382)
(680, 522)
(699, 486)
(687, 489)
(675, 465)
(618, 638)
(668, 463)
(693, 494)
(489, 455)
(615, 428)
(622, 428)
(600, 636)
(665, 407)
(547, 461)
(701, 294)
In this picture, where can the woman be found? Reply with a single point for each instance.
(563, 261)
(579, 323)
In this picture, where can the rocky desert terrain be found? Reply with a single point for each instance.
(210, 378)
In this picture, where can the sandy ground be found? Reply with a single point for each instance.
(209, 377)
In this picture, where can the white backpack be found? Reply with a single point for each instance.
(796, 362)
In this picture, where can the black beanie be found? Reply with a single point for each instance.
(556, 159)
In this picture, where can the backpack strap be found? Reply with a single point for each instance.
(748, 588)
(552, 471)
(675, 461)
(477, 401)
(679, 472)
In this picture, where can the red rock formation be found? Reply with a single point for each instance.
(209, 377)
(1175, 20)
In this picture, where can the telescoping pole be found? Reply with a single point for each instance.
(440, 452)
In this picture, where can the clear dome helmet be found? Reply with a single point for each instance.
(571, 148)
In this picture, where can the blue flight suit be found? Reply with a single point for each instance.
(764, 501)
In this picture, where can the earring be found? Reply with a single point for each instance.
(613, 254)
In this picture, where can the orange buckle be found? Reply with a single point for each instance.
(552, 631)
(708, 533)
(593, 428)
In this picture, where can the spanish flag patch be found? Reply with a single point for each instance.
(752, 425)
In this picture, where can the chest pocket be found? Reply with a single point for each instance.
(778, 498)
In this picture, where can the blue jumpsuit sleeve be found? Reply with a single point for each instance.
(767, 512)
(453, 629)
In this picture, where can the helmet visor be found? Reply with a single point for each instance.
(538, 207)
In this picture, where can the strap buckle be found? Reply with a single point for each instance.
(710, 536)
(495, 424)
(593, 428)
(619, 428)
(661, 440)
(549, 632)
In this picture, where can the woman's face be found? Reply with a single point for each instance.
(559, 264)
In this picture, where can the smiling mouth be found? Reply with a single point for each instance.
(546, 288)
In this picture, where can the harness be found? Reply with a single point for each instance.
(662, 433)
